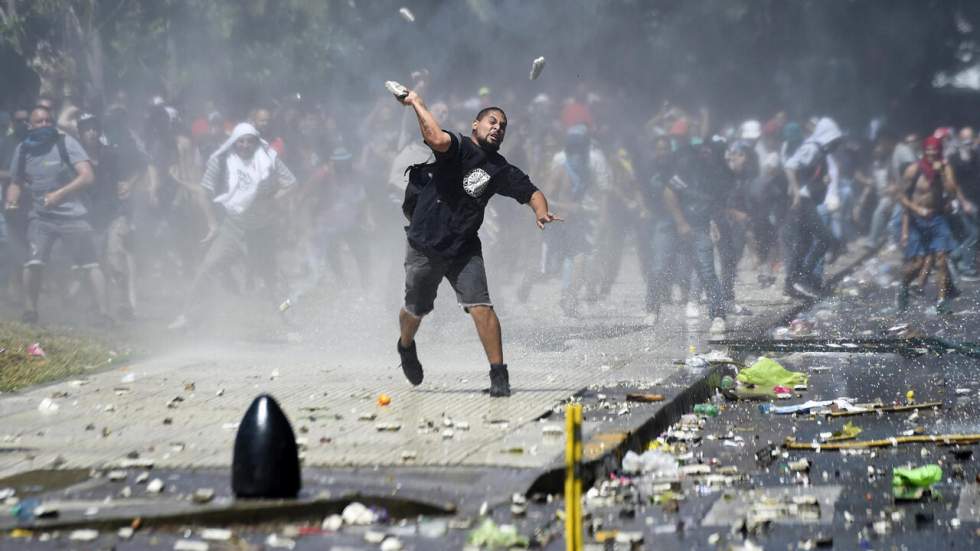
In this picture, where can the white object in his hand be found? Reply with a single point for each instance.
(536, 67)
(397, 89)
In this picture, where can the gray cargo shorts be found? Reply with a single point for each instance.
(76, 235)
(423, 273)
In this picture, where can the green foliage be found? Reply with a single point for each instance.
(804, 51)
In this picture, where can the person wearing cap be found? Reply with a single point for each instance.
(443, 240)
(244, 178)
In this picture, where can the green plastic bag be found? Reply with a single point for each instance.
(912, 483)
(767, 373)
(490, 536)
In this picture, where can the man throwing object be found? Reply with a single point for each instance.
(442, 233)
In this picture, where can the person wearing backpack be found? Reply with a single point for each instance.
(444, 221)
(54, 169)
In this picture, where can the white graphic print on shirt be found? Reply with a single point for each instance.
(475, 182)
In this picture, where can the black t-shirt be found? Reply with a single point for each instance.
(702, 184)
(450, 208)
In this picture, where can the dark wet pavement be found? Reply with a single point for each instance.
(854, 505)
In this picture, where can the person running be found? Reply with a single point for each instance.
(926, 236)
(442, 234)
(696, 194)
(55, 169)
(245, 177)
(807, 172)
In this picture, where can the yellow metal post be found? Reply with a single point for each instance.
(573, 477)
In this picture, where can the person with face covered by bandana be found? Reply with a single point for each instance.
(696, 194)
(54, 169)
(926, 237)
(245, 177)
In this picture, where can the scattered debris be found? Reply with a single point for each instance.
(492, 536)
(356, 514)
(35, 351)
(849, 431)
(48, 407)
(332, 523)
(191, 545)
(202, 495)
(944, 439)
(155, 486)
(84, 535)
(215, 534)
(536, 67)
(768, 373)
(276, 541)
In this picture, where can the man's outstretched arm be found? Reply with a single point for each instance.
(433, 134)
(539, 204)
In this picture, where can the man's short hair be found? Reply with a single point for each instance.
(487, 110)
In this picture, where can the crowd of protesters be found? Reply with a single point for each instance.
(110, 199)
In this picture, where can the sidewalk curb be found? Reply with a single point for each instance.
(248, 512)
(694, 389)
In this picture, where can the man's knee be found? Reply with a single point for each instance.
(481, 311)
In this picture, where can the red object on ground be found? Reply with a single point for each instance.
(36, 351)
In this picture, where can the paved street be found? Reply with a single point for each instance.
(179, 408)
(179, 405)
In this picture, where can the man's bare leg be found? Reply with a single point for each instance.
(409, 326)
(910, 270)
(943, 279)
(488, 327)
(923, 276)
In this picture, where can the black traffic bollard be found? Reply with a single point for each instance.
(266, 461)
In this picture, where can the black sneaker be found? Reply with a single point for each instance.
(411, 366)
(499, 381)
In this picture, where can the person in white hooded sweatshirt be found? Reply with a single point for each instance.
(808, 172)
(245, 177)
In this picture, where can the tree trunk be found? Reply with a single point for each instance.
(172, 75)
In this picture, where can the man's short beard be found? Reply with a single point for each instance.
(484, 144)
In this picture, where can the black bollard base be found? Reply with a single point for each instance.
(266, 461)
